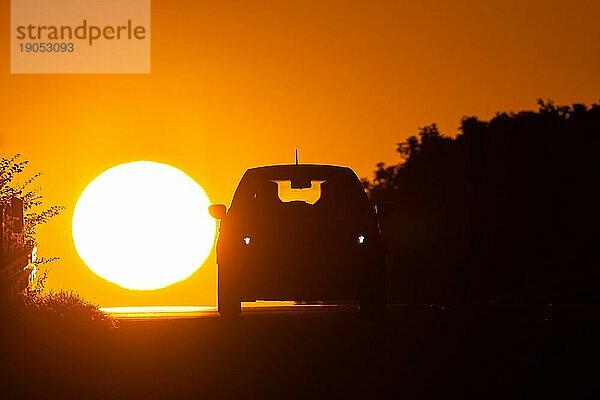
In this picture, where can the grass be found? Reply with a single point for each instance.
(65, 308)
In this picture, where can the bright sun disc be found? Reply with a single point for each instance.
(143, 225)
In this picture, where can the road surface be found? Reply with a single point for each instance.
(310, 352)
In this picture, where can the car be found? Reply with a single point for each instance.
(299, 232)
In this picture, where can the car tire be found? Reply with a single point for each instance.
(229, 303)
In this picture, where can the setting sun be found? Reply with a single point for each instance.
(143, 225)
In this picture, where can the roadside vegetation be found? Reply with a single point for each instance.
(36, 304)
(509, 205)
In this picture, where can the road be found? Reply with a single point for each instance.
(315, 352)
(151, 313)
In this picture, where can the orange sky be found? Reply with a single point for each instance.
(236, 84)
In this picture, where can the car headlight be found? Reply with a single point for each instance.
(360, 239)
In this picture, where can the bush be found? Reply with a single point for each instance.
(506, 205)
(65, 307)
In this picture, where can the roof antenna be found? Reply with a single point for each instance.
(296, 156)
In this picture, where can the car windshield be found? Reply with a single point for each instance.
(300, 191)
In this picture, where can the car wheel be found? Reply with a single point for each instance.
(228, 300)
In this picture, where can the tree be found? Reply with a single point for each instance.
(10, 169)
(506, 204)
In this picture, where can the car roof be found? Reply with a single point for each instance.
(313, 170)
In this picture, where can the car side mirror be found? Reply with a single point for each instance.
(384, 208)
(217, 211)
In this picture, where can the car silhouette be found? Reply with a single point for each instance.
(299, 232)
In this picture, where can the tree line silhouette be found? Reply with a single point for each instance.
(508, 207)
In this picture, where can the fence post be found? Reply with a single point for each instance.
(17, 259)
